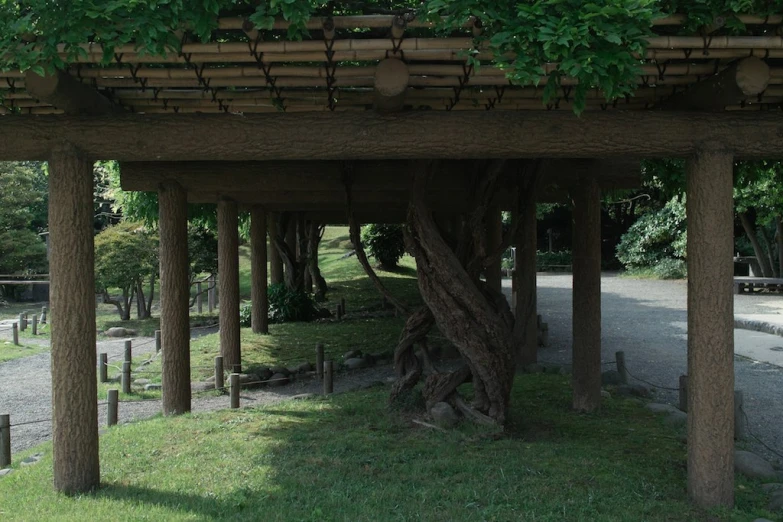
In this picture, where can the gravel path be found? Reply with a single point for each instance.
(648, 320)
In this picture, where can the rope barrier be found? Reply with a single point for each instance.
(29, 422)
(747, 426)
(651, 384)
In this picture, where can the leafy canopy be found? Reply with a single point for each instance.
(592, 42)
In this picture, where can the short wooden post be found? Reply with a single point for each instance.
(112, 407)
(5, 441)
(740, 421)
(157, 341)
(103, 370)
(621, 369)
(128, 351)
(339, 311)
(35, 324)
(199, 307)
(219, 372)
(234, 390)
(319, 360)
(126, 377)
(342, 304)
(684, 393)
(22, 323)
(328, 377)
(43, 315)
(15, 332)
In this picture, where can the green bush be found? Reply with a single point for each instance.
(655, 237)
(553, 261)
(385, 243)
(285, 306)
(670, 269)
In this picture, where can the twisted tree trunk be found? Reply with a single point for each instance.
(314, 235)
(758, 251)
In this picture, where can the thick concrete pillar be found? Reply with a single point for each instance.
(174, 297)
(72, 294)
(259, 312)
(228, 284)
(710, 329)
(586, 377)
(275, 262)
(494, 239)
(525, 309)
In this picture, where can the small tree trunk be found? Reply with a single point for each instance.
(770, 250)
(152, 296)
(275, 262)
(259, 319)
(750, 231)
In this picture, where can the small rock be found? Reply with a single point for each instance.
(152, 387)
(353, 354)
(293, 370)
(249, 379)
(660, 408)
(566, 369)
(533, 368)
(636, 390)
(676, 418)
(610, 378)
(369, 358)
(356, 363)
(211, 379)
(6, 471)
(278, 379)
(444, 415)
(303, 396)
(141, 382)
(202, 386)
(32, 459)
(751, 465)
(118, 331)
(605, 394)
(775, 501)
(265, 373)
(304, 367)
(280, 369)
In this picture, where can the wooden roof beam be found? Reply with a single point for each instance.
(391, 84)
(742, 79)
(68, 94)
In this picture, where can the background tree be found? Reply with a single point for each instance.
(126, 258)
(385, 243)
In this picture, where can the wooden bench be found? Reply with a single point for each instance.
(743, 284)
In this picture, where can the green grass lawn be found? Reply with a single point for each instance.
(349, 458)
(9, 352)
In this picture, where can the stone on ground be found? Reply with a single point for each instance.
(141, 382)
(280, 369)
(5, 471)
(636, 390)
(353, 354)
(356, 363)
(775, 501)
(661, 408)
(303, 396)
(444, 415)
(751, 465)
(769, 488)
(605, 394)
(152, 387)
(304, 367)
(202, 386)
(278, 379)
(118, 331)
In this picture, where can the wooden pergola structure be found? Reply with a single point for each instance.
(253, 120)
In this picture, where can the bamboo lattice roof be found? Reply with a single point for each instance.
(247, 71)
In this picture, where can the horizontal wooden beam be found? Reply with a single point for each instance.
(412, 135)
(218, 177)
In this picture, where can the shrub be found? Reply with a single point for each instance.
(654, 237)
(670, 269)
(287, 305)
(548, 261)
(385, 243)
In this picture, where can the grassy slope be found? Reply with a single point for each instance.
(349, 458)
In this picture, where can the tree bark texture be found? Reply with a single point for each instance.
(174, 298)
(259, 317)
(72, 294)
(228, 275)
(710, 329)
(525, 310)
(586, 378)
(473, 317)
(275, 262)
(406, 135)
(285, 240)
(758, 250)
(315, 233)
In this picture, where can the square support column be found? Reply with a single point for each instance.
(275, 261)
(525, 308)
(72, 293)
(493, 273)
(710, 328)
(174, 297)
(228, 276)
(587, 294)
(258, 277)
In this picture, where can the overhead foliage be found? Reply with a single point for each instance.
(592, 42)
